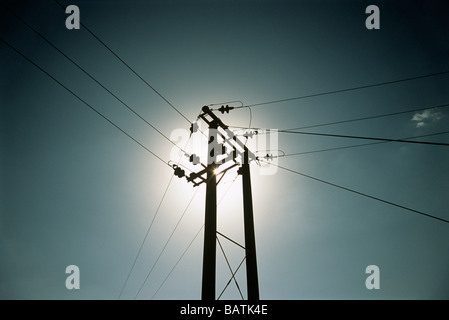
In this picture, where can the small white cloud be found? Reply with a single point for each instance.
(420, 124)
(426, 117)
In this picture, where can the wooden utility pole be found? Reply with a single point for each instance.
(210, 222)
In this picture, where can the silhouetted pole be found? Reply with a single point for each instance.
(210, 220)
(210, 224)
(250, 242)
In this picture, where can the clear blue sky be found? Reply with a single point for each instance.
(77, 191)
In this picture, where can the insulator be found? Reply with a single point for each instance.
(193, 127)
(248, 134)
(194, 159)
(179, 172)
(222, 109)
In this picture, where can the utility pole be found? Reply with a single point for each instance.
(250, 241)
(210, 223)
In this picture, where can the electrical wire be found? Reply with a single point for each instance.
(191, 242)
(355, 146)
(364, 138)
(361, 193)
(346, 90)
(250, 118)
(149, 227)
(242, 106)
(441, 106)
(372, 117)
(128, 66)
(128, 107)
(248, 106)
(90, 76)
(166, 243)
(222, 103)
(145, 238)
(82, 100)
(177, 262)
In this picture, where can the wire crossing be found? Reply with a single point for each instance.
(191, 242)
(230, 269)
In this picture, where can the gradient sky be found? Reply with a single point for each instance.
(75, 190)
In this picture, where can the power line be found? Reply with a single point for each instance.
(242, 105)
(364, 138)
(82, 100)
(128, 66)
(345, 90)
(191, 242)
(166, 243)
(177, 262)
(361, 193)
(149, 228)
(90, 76)
(355, 146)
(127, 106)
(222, 103)
(441, 106)
(145, 237)
(371, 117)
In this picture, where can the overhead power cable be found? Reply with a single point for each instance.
(145, 238)
(355, 146)
(82, 100)
(346, 90)
(128, 66)
(177, 262)
(441, 106)
(90, 76)
(363, 138)
(148, 229)
(371, 117)
(166, 243)
(191, 242)
(361, 193)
